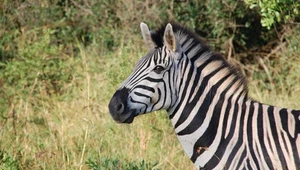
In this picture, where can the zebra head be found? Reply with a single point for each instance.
(148, 87)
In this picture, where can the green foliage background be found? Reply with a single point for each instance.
(61, 60)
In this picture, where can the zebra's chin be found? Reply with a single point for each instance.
(129, 119)
(125, 117)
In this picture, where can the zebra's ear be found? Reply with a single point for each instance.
(170, 40)
(147, 36)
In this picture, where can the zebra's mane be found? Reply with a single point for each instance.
(196, 48)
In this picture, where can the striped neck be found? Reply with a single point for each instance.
(215, 128)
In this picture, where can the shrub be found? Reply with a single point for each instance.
(8, 162)
(272, 12)
(37, 69)
(116, 164)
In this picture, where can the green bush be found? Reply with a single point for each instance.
(279, 11)
(8, 162)
(36, 70)
(116, 164)
(226, 25)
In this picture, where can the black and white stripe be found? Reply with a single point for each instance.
(217, 124)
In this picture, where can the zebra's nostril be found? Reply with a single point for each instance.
(120, 108)
(118, 103)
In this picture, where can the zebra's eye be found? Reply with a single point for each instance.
(158, 69)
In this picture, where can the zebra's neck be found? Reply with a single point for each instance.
(206, 78)
(214, 117)
(202, 105)
(216, 127)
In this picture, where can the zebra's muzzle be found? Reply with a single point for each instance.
(118, 107)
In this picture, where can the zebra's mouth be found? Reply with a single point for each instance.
(129, 119)
(125, 118)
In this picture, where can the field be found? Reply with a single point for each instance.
(61, 61)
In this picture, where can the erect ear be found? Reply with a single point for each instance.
(170, 40)
(147, 36)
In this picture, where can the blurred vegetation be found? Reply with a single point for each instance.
(116, 164)
(61, 60)
(273, 12)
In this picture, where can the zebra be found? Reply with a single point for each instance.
(206, 98)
